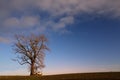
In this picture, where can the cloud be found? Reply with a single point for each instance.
(4, 40)
(60, 7)
(72, 7)
(25, 21)
(54, 15)
(67, 20)
(30, 21)
(10, 22)
(63, 22)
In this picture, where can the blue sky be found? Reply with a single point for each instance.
(83, 34)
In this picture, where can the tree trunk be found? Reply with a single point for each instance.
(32, 69)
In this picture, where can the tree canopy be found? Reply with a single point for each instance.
(31, 50)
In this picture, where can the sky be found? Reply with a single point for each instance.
(84, 35)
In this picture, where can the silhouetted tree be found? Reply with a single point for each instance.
(31, 50)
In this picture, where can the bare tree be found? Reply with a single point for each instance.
(31, 50)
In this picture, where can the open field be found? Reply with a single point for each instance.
(78, 76)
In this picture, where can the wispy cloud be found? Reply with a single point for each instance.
(4, 40)
(25, 21)
(55, 15)
(61, 23)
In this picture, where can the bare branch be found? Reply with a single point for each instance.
(31, 51)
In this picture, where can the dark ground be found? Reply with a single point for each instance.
(78, 76)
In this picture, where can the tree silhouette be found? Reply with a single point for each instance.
(31, 50)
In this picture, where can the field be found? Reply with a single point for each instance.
(78, 76)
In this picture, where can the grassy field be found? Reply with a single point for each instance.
(79, 76)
